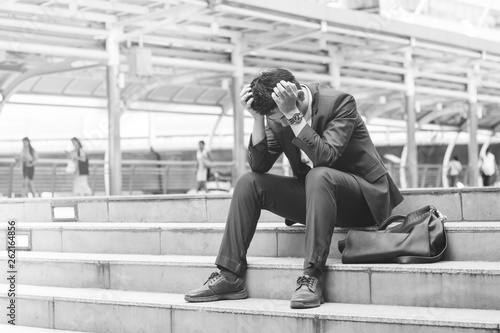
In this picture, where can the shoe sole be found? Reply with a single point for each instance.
(305, 305)
(229, 296)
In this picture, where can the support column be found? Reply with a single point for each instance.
(334, 67)
(239, 152)
(411, 119)
(472, 126)
(114, 113)
(402, 167)
(446, 160)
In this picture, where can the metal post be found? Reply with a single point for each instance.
(114, 110)
(334, 67)
(402, 167)
(446, 161)
(10, 186)
(411, 119)
(472, 148)
(238, 116)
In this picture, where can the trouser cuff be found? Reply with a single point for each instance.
(231, 265)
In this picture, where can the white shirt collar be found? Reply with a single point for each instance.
(308, 114)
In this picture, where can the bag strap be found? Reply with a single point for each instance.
(390, 220)
(423, 260)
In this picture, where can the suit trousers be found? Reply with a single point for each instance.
(325, 198)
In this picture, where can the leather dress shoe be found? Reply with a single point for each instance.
(217, 287)
(308, 294)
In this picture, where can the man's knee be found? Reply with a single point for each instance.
(320, 176)
(247, 181)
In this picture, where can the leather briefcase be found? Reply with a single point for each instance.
(419, 238)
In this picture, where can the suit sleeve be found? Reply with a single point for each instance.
(262, 155)
(324, 150)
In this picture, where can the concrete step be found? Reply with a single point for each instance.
(457, 284)
(25, 329)
(99, 310)
(467, 240)
(467, 204)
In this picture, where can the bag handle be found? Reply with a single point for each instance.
(390, 220)
(410, 216)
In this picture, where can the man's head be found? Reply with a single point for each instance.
(262, 88)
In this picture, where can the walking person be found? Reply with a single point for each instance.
(339, 180)
(80, 179)
(28, 158)
(488, 168)
(203, 162)
(454, 169)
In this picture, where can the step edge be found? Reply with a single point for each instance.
(253, 263)
(317, 313)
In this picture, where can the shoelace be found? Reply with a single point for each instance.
(306, 281)
(214, 275)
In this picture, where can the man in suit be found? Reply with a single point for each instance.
(339, 179)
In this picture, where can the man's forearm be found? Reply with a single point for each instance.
(259, 130)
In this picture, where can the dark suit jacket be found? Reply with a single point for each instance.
(337, 138)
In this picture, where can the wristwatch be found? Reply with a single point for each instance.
(296, 118)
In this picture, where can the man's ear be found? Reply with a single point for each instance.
(301, 95)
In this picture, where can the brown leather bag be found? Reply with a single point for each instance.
(420, 238)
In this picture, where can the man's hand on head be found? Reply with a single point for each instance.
(246, 100)
(285, 95)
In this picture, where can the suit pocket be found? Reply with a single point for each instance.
(374, 172)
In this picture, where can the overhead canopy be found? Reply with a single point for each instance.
(57, 48)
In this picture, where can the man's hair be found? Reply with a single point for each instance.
(262, 88)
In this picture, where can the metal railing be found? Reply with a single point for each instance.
(160, 177)
(429, 175)
(138, 176)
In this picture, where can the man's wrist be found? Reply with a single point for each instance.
(289, 115)
(258, 117)
(296, 118)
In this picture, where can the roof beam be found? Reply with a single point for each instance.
(48, 12)
(374, 67)
(433, 115)
(108, 6)
(309, 57)
(291, 39)
(375, 54)
(64, 51)
(244, 24)
(191, 43)
(31, 27)
(143, 18)
(288, 30)
(175, 15)
(356, 23)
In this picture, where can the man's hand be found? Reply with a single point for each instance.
(285, 95)
(246, 100)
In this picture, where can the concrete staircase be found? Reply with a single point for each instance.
(123, 265)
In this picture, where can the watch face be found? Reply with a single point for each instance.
(297, 116)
